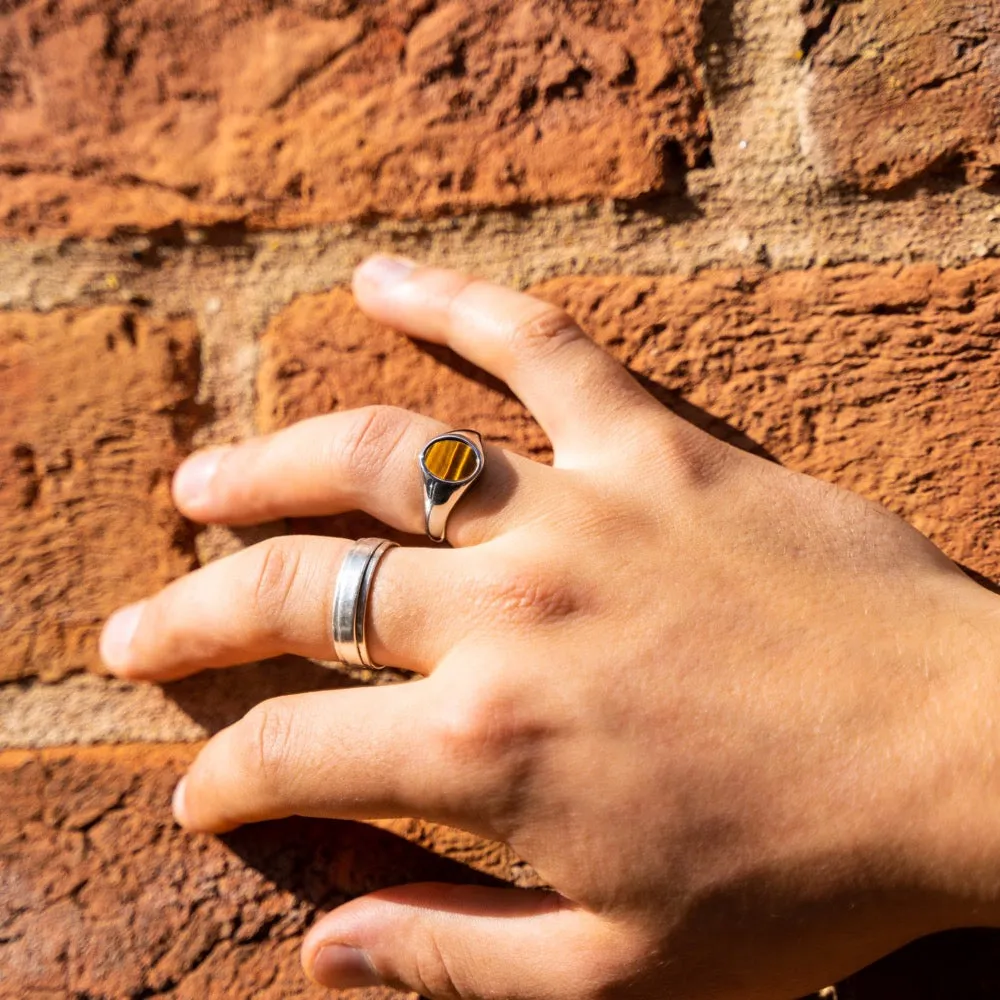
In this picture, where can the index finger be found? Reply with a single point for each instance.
(573, 388)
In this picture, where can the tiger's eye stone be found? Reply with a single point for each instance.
(450, 460)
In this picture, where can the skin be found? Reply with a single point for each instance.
(740, 720)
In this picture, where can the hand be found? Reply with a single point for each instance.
(739, 719)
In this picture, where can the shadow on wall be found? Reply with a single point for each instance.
(983, 581)
(217, 698)
(706, 421)
(324, 863)
(702, 419)
(957, 965)
(720, 48)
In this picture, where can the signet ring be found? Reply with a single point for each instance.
(450, 464)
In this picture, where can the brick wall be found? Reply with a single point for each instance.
(782, 214)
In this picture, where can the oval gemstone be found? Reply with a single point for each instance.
(451, 460)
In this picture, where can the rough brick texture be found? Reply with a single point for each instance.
(102, 896)
(290, 113)
(97, 408)
(881, 379)
(902, 91)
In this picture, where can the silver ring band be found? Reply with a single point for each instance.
(350, 600)
(449, 464)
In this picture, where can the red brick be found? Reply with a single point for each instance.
(292, 113)
(102, 896)
(881, 379)
(900, 92)
(97, 408)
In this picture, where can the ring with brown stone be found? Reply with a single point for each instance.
(450, 464)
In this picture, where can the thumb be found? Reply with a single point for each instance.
(468, 942)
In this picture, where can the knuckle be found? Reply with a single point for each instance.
(545, 331)
(696, 460)
(465, 727)
(369, 441)
(487, 739)
(433, 973)
(470, 724)
(274, 581)
(526, 596)
(268, 731)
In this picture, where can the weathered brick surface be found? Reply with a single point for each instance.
(290, 113)
(102, 896)
(97, 408)
(903, 91)
(881, 379)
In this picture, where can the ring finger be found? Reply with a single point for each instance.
(276, 597)
(363, 459)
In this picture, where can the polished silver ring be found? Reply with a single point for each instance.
(450, 464)
(350, 600)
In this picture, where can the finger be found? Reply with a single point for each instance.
(448, 941)
(350, 754)
(575, 390)
(276, 597)
(365, 459)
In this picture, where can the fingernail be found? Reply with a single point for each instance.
(178, 805)
(117, 636)
(339, 967)
(195, 476)
(385, 271)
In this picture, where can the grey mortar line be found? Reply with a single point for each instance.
(949, 229)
